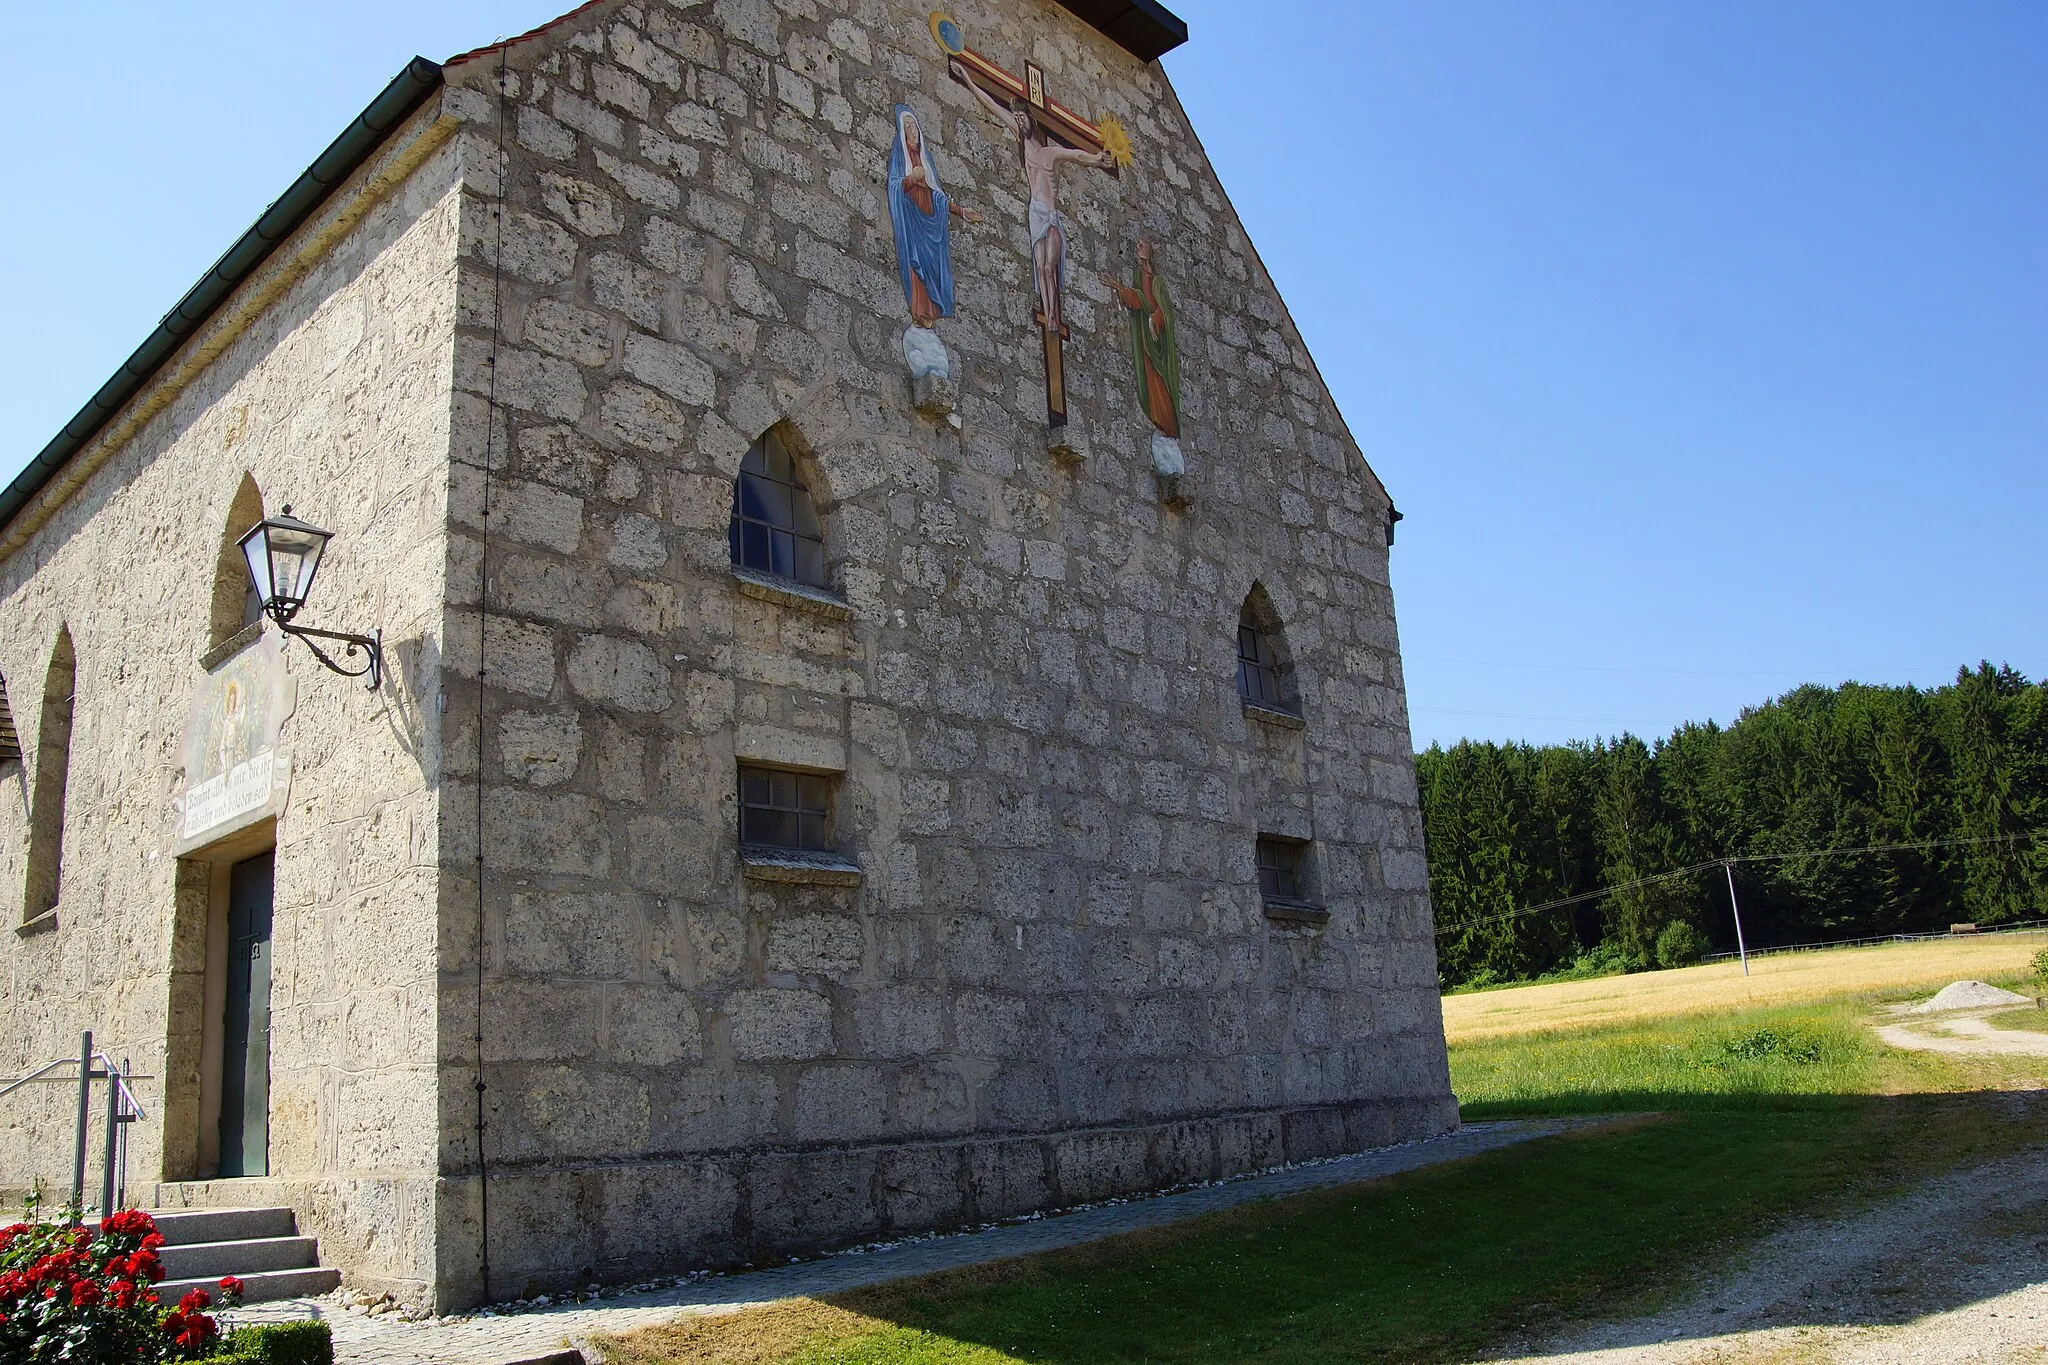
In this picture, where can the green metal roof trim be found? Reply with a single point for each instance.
(406, 93)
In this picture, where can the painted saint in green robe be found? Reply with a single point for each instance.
(1152, 344)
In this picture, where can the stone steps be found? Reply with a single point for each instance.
(243, 1258)
(261, 1247)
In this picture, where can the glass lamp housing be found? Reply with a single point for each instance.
(283, 555)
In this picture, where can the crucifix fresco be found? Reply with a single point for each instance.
(1052, 138)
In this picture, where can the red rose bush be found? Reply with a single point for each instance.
(87, 1295)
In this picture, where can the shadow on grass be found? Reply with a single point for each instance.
(1448, 1262)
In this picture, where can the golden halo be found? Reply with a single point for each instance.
(954, 42)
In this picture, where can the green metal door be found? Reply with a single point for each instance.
(245, 1070)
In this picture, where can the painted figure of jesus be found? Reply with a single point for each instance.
(1043, 159)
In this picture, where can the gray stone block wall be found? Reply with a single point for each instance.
(1055, 979)
(328, 380)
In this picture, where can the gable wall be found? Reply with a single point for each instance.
(1055, 980)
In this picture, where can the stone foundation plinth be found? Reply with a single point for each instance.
(557, 1228)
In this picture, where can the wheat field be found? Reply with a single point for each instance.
(1782, 980)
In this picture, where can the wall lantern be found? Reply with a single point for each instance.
(284, 554)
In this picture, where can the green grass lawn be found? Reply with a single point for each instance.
(2024, 1018)
(1763, 1116)
(1792, 1054)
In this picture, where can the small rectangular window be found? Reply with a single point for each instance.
(1279, 863)
(781, 809)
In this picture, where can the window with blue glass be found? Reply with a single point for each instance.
(775, 526)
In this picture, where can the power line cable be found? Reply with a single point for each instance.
(1605, 891)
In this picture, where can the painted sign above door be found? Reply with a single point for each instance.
(236, 772)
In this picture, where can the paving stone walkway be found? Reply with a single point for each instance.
(525, 1335)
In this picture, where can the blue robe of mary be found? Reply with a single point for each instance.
(924, 248)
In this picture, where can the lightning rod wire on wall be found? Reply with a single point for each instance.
(483, 613)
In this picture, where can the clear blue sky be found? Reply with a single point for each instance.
(1705, 345)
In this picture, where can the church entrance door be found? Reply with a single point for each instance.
(245, 1065)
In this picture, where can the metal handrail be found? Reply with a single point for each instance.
(37, 1074)
(120, 1077)
(121, 1099)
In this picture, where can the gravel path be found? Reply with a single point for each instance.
(1966, 1034)
(494, 1340)
(1957, 1271)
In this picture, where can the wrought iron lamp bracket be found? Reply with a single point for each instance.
(371, 646)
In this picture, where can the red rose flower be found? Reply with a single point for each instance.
(84, 1294)
(128, 1223)
(196, 1332)
(195, 1301)
(123, 1294)
(230, 1287)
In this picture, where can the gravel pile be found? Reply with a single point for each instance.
(1968, 995)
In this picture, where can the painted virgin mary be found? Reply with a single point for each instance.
(921, 213)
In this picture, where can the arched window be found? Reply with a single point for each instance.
(1264, 677)
(235, 604)
(775, 527)
(52, 773)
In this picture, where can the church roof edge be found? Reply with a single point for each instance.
(408, 90)
(1144, 28)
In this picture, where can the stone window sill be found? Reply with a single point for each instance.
(41, 924)
(797, 865)
(1273, 715)
(787, 592)
(1296, 912)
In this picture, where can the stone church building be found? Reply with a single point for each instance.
(889, 712)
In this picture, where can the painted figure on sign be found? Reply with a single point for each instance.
(920, 211)
(1044, 158)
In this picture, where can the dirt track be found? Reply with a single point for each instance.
(1964, 1032)
(1955, 1271)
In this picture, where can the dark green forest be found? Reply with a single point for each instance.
(1511, 826)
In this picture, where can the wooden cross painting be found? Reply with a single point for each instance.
(1052, 137)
